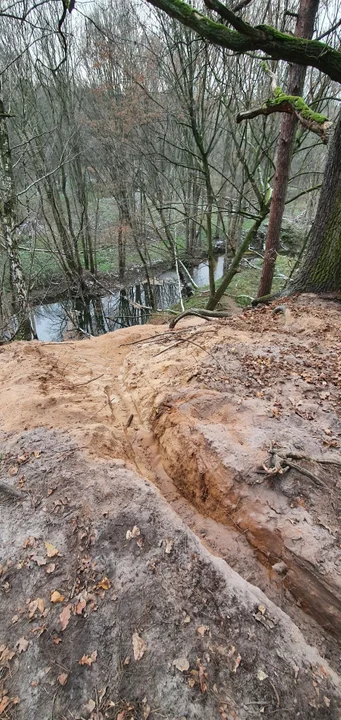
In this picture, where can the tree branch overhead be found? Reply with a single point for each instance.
(278, 45)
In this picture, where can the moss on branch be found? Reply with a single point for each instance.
(262, 37)
(299, 106)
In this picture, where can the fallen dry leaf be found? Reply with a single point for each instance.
(56, 597)
(262, 675)
(236, 664)
(51, 550)
(81, 605)
(202, 676)
(34, 605)
(88, 659)
(169, 546)
(134, 533)
(203, 629)
(38, 559)
(90, 706)
(13, 470)
(64, 616)
(22, 645)
(50, 568)
(29, 542)
(4, 703)
(233, 660)
(139, 646)
(62, 679)
(146, 709)
(104, 584)
(181, 664)
(39, 630)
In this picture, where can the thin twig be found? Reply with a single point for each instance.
(88, 381)
(276, 693)
(181, 340)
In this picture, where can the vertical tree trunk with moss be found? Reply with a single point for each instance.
(304, 28)
(321, 267)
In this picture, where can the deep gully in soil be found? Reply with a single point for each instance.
(222, 514)
(213, 495)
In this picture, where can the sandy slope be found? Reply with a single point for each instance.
(195, 412)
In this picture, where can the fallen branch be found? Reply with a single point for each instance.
(303, 470)
(198, 312)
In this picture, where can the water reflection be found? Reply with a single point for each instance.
(79, 317)
(91, 315)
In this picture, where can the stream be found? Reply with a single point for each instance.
(67, 319)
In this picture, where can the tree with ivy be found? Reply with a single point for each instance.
(320, 269)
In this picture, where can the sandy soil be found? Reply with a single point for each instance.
(237, 423)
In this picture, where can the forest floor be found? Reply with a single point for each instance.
(170, 540)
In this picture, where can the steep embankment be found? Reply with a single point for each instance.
(237, 423)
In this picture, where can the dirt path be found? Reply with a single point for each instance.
(196, 412)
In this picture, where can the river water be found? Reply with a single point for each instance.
(98, 315)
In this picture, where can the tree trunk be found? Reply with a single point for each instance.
(121, 242)
(321, 267)
(233, 269)
(304, 28)
(8, 221)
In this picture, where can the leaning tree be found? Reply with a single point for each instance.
(320, 269)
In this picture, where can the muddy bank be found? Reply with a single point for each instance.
(111, 608)
(237, 423)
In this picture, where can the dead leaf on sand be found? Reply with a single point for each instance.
(139, 646)
(6, 654)
(34, 605)
(51, 550)
(169, 545)
(88, 659)
(22, 645)
(62, 679)
(134, 533)
(90, 706)
(56, 597)
(181, 664)
(146, 709)
(81, 605)
(104, 584)
(29, 542)
(64, 616)
(202, 676)
(203, 630)
(4, 702)
(38, 559)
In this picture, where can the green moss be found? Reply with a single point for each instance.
(298, 104)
